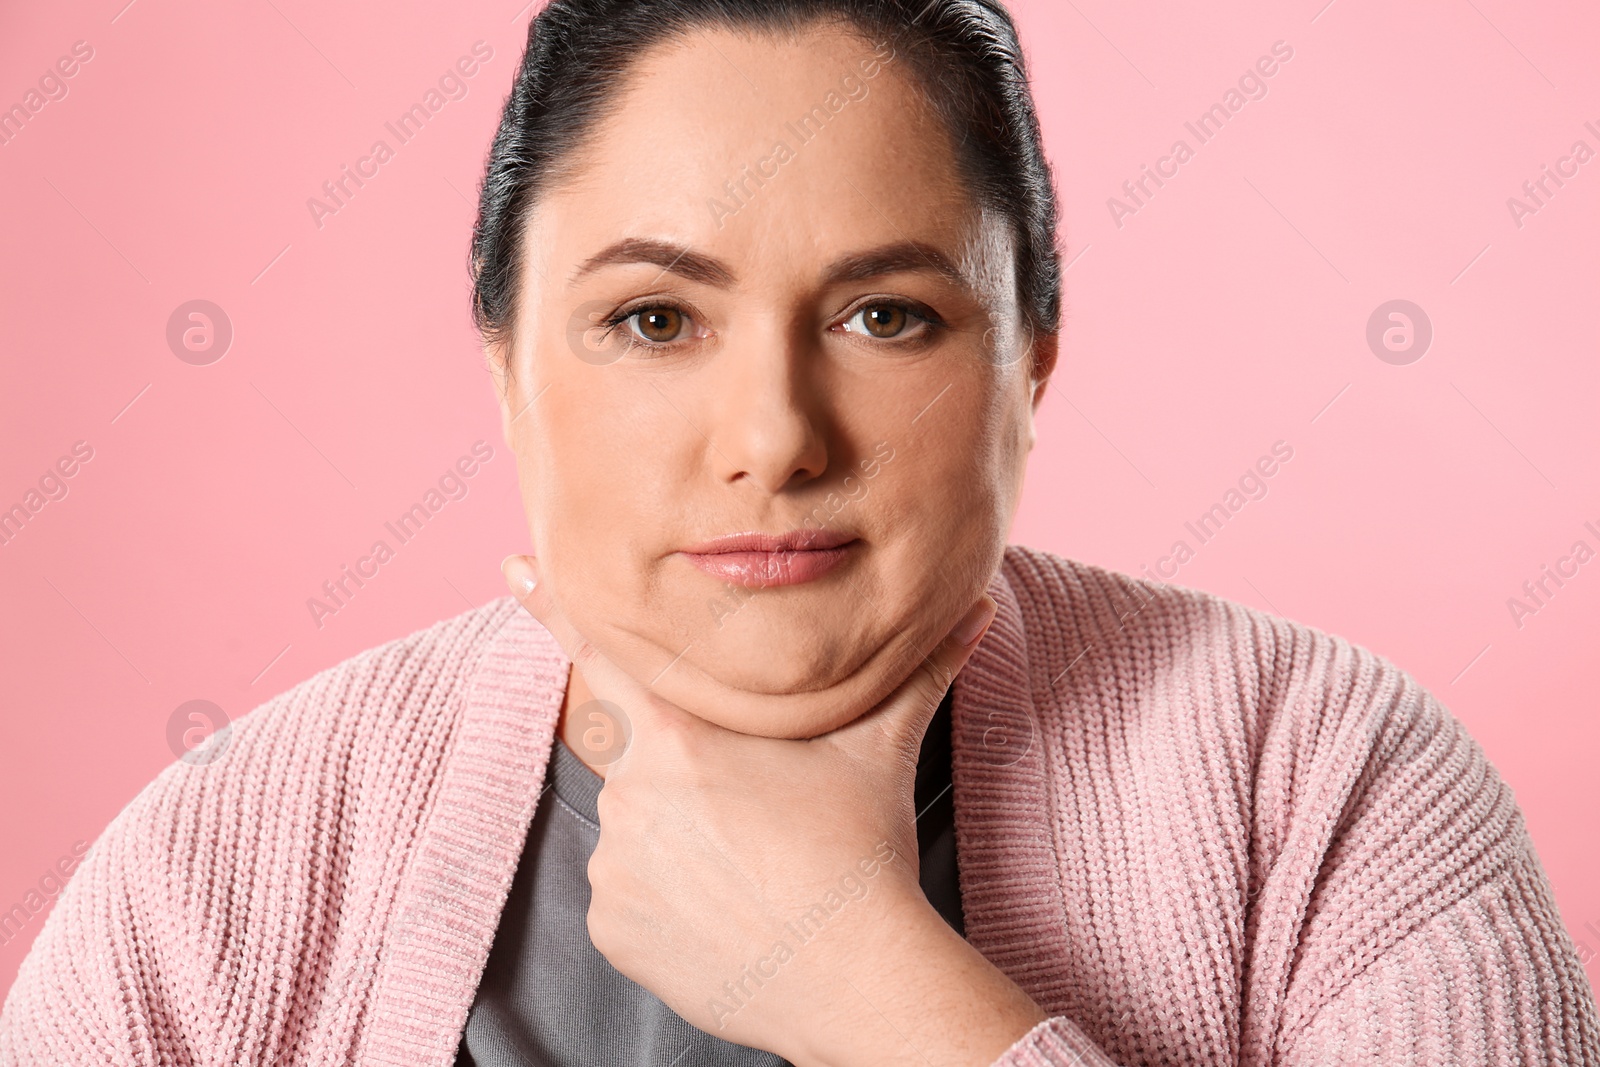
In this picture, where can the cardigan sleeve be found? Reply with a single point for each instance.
(73, 1000)
(1397, 912)
(1056, 1042)
(1431, 935)
(1492, 980)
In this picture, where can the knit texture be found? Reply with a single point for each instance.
(1194, 833)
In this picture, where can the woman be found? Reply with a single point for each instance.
(770, 293)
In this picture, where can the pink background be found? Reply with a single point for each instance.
(1228, 312)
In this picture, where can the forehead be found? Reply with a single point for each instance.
(802, 147)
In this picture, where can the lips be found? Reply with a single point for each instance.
(760, 560)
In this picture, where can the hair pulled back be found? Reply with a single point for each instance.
(965, 53)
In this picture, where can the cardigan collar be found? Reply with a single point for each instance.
(461, 868)
(1005, 819)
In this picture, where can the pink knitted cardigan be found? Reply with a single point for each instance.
(1193, 832)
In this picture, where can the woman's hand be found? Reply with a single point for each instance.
(767, 889)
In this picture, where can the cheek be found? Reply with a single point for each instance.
(943, 505)
(604, 486)
(975, 455)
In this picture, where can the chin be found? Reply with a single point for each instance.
(785, 719)
(741, 685)
(775, 658)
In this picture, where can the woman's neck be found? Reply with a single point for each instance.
(571, 728)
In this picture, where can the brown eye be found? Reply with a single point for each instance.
(659, 325)
(884, 320)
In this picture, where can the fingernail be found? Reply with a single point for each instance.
(519, 575)
(975, 622)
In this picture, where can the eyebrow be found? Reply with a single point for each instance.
(896, 258)
(669, 257)
(901, 257)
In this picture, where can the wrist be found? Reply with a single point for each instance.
(913, 991)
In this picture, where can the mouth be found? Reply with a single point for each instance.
(761, 561)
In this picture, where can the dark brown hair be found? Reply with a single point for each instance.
(964, 52)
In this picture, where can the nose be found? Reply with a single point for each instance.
(768, 419)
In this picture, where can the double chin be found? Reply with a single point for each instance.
(795, 688)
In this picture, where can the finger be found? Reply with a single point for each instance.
(642, 710)
(901, 719)
(604, 678)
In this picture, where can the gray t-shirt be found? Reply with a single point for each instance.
(549, 999)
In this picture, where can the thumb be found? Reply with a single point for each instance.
(626, 709)
(901, 719)
(527, 584)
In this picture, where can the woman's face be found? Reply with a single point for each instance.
(762, 301)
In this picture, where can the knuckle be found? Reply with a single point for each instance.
(937, 674)
(674, 738)
(585, 654)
